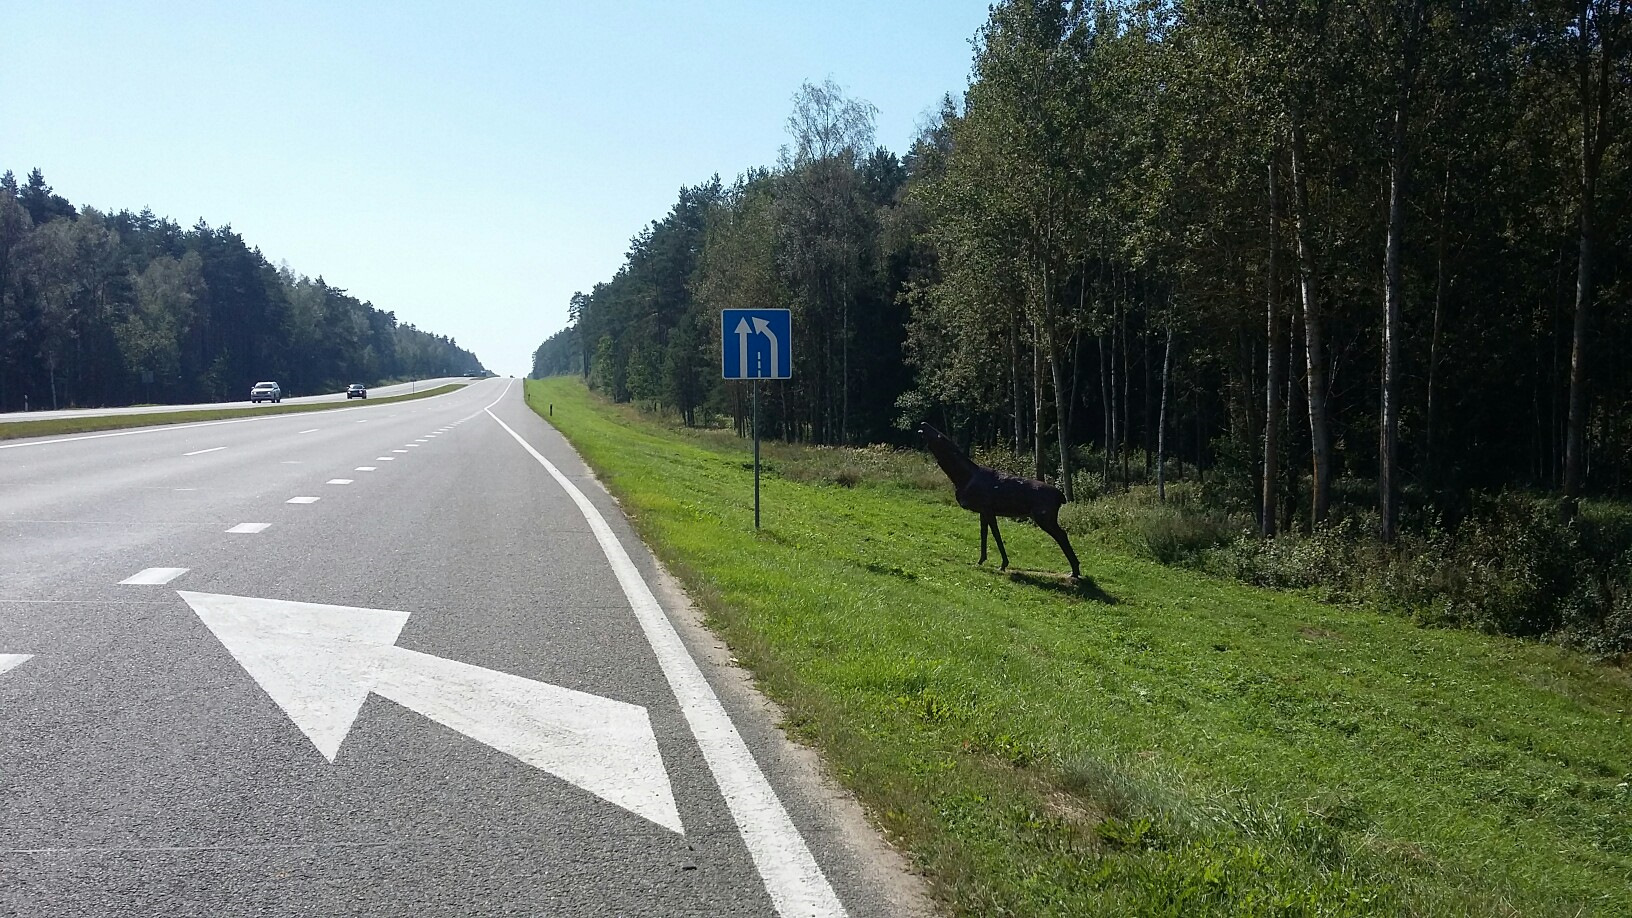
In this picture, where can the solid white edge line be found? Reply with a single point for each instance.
(200, 452)
(792, 877)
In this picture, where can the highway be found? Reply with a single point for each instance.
(407, 388)
(399, 660)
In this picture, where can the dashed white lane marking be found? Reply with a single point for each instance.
(422, 440)
(200, 452)
(13, 660)
(250, 527)
(365, 468)
(385, 458)
(154, 576)
(312, 430)
(792, 877)
(292, 462)
(339, 481)
(399, 451)
(301, 500)
(410, 446)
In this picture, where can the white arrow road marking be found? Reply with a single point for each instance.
(154, 576)
(10, 661)
(764, 328)
(791, 875)
(319, 663)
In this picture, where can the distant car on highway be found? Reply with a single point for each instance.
(356, 390)
(266, 392)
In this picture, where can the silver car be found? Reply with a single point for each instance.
(266, 392)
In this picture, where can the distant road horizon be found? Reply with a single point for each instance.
(407, 388)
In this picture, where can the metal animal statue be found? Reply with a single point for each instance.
(992, 494)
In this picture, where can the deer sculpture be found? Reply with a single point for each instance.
(992, 494)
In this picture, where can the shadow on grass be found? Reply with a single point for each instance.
(1081, 588)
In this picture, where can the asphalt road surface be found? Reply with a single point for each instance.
(407, 388)
(401, 659)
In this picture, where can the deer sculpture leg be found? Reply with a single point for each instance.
(1050, 523)
(990, 520)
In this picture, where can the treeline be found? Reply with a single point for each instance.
(1376, 250)
(113, 309)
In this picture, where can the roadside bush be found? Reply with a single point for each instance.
(1515, 565)
(1518, 566)
(1175, 534)
(1324, 560)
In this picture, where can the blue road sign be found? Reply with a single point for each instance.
(756, 344)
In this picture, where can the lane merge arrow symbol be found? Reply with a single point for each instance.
(319, 663)
(764, 328)
(13, 660)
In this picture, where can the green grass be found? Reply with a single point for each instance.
(1153, 742)
(13, 430)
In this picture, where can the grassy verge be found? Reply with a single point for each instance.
(1155, 741)
(58, 426)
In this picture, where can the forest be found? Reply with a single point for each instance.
(1354, 273)
(104, 309)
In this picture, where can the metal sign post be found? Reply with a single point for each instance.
(755, 398)
(763, 349)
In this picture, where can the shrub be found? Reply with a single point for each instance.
(1177, 535)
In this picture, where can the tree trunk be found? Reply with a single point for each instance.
(1062, 424)
(1144, 359)
(1297, 406)
(1273, 368)
(1037, 402)
(844, 376)
(1062, 391)
(1112, 443)
(1320, 444)
(1388, 447)
(1573, 462)
(1595, 91)
(1161, 420)
(1441, 281)
(1127, 400)
(1014, 386)
(1105, 401)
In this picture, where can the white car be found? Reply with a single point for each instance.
(266, 392)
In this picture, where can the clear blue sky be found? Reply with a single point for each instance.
(467, 166)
